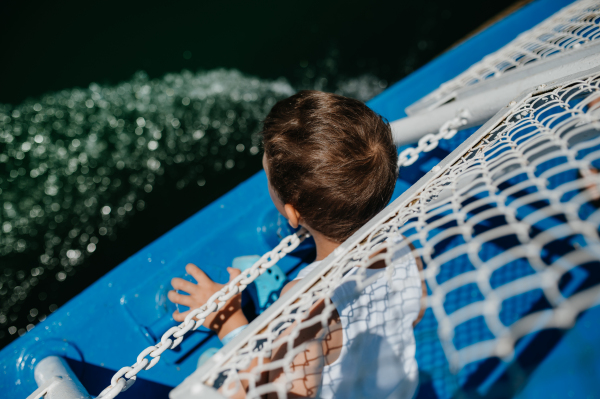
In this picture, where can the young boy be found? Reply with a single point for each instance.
(331, 167)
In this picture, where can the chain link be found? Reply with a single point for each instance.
(431, 141)
(126, 376)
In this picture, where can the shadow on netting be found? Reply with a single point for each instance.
(492, 378)
(386, 375)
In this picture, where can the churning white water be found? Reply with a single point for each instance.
(76, 164)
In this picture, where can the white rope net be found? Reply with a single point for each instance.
(502, 234)
(568, 29)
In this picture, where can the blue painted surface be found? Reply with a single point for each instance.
(572, 370)
(267, 287)
(107, 325)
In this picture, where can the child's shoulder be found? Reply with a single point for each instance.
(303, 273)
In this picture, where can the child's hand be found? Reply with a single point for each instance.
(223, 321)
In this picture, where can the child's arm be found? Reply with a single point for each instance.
(229, 318)
(323, 345)
(419, 262)
(307, 365)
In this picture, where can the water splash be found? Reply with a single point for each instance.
(76, 164)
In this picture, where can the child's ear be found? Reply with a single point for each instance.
(292, 214)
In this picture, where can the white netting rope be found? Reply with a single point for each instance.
(570, 28)
(429, 142)
(516, 214)
(148, 358)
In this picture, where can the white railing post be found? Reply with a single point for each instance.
(480, 102)
(56, 380)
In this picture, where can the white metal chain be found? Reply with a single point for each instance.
(431, 141)
(126, 376)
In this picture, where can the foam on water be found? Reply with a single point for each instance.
(76, 164)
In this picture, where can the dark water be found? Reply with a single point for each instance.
(90, 175)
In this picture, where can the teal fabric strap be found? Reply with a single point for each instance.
(232, 335)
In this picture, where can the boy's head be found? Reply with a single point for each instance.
(330, 157)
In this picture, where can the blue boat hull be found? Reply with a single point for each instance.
(106, 326)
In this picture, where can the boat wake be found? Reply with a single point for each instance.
(75, 165)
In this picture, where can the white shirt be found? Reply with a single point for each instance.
(377, 359)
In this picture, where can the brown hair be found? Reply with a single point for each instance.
(332, 158)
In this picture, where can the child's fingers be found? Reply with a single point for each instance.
(197, 273)
(180, 316)
(184, 300)
(182, 285)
